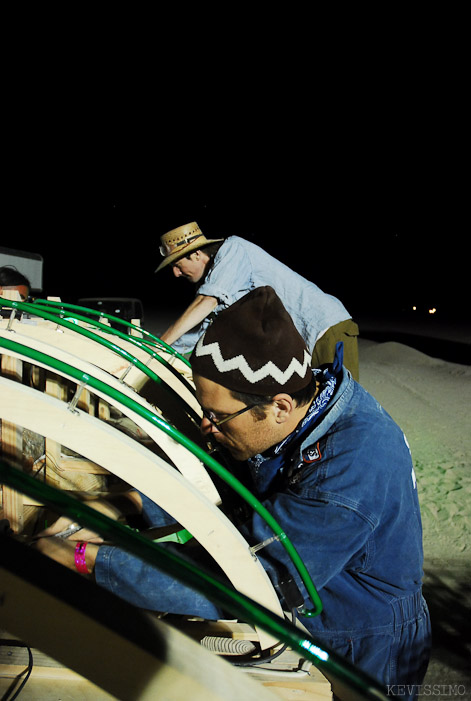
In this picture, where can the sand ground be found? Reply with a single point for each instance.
(431, 400)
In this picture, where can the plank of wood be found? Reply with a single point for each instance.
(12, 447)
(176, 668)
(185, 461)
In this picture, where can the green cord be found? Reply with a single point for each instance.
(115, 348)
(45, 303)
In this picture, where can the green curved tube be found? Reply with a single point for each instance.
(73, 307)
(206, 459)
(330, 663)
(23, 306)
(133, 340)
(43, 308)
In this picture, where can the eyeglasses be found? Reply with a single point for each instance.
(212, 417)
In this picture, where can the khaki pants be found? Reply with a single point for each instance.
(324, 350)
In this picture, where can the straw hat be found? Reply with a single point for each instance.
(181, 241)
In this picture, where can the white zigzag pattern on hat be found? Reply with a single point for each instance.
(253, 376)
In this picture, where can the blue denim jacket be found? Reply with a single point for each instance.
(240, 266)
(349, 504)
(347, 499)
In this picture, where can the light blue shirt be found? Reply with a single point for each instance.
(240, 266)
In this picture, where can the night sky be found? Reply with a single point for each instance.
(364, 195)
(381, 238)
(341, 155)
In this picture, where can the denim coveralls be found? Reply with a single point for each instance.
(240, 266)
(346, 496)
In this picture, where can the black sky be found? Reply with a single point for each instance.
(377, 231)
(350, 171)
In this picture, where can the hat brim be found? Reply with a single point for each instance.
(173, 257)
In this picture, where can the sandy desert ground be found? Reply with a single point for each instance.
(431, 400)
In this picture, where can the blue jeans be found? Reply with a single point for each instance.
(145, 586)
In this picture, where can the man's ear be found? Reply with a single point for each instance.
(283, 406)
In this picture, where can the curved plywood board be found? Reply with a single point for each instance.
(164, 485)
(184, 460)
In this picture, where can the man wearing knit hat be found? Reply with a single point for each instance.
(226, 269)
(335, 472)
(252, 351)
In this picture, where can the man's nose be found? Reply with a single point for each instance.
(176, 271)
(207, 426)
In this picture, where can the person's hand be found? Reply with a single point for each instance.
(64, 528)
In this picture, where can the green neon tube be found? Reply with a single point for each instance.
(133, 340)
(201, 454)
(330, 663)
(73, 307)
(56, 315)
(22, 306)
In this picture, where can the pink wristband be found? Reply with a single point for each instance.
(80, 563)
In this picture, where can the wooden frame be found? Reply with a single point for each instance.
(107, 370)
(116, 452)
(185, 489)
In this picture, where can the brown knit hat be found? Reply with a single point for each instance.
(254, 347)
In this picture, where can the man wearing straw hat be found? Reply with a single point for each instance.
(225, 270)
(332, 468)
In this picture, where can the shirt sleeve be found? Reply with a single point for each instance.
(231, 275)
(188, 340)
